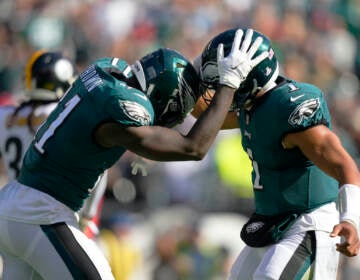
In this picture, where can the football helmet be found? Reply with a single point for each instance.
(48, 75)
(259, 77)
(171, 83)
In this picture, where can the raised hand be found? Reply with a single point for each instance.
(234, 68)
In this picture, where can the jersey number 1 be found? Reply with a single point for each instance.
(69, 106)
(257, 185)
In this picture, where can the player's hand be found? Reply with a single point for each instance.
(234, 68)
(139, 164)
(351, 245)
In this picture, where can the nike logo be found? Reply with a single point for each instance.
(292, 98)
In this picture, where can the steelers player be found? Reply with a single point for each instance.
(48, 74)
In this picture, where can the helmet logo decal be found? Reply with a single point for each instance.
(209, 72)
(254, 227)
(136, 112)
(305, 110)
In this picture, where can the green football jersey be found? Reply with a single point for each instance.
(63, 159)
(284, 180)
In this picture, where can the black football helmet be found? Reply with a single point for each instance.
(48, 75)
(259, 77)
(171, 83)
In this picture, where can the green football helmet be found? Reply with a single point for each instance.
(48, 75)
(259, 77)
(171, 83)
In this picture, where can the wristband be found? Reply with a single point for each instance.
(349, 204)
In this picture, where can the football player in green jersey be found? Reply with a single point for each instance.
(112, 107)
(48, 74)
(300, 171)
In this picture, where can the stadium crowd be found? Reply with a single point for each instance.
(166, 225)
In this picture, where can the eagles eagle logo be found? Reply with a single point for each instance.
(209, 72)
(304, 111)
(136, 112)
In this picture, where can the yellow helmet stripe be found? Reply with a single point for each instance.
(28, 68)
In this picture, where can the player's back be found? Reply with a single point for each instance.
(17, 128)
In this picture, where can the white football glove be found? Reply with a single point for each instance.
(139, 164)
(234, 68)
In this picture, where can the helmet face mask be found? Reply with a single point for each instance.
(171, 83)
(48, 75)
(258, 78)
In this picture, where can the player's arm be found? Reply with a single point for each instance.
(231, 119)
(163, 144)
(320, 145)
(323, 148)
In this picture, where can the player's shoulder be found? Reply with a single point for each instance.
(109, 68)
(131, 107)
(302, 104)
(100, 73)
(124, 103)
(110, 63)
(294, 93)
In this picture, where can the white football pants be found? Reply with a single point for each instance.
(306, 255)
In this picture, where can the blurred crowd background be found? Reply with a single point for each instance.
(183, 220)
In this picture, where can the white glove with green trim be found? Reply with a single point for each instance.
(234, 68)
